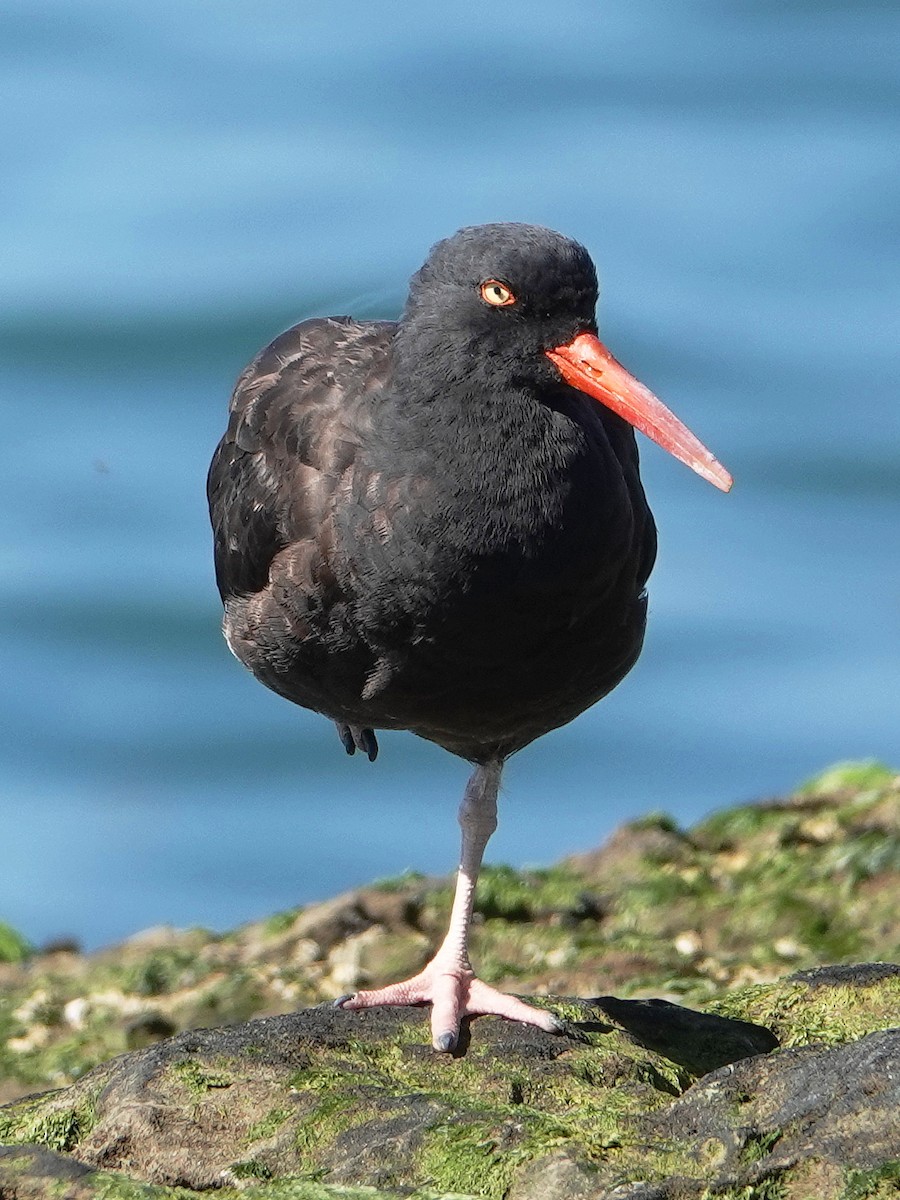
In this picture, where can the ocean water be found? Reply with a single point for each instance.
(182, 183)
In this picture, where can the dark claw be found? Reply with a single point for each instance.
(445, 1043)
(369, 743)
(342, 1000)
(346, 738)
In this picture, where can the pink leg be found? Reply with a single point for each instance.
(448, 982)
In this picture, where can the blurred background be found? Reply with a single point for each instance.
(182, 181)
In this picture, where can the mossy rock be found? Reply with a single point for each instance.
(328, 1099)
(748, 894)
(735, 915)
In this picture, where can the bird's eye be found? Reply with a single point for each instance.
(497, 294)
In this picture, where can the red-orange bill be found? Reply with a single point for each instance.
(586, 364)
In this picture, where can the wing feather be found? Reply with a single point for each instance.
(296, 423)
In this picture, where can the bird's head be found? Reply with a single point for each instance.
(520, 300)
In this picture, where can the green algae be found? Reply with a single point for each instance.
(482, 1119)
(58, 1127)
(758, 1146)
(13, 946)
(507, 894)
(250, 1168)
(766, 1189)
(881, 1183)
(268, 1125)
(861, 776)
(254, 1185)
(491, 1116)
(467, 1153)
(162, 971)
(801, 1014)
(280, 922)
(326, 1121)
(392, 884)
(199, 1079)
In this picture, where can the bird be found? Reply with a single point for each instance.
(437, 524)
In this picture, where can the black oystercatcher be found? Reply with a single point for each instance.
(433, 525)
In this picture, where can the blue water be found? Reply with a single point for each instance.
(182, 181)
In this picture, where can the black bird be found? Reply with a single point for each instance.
(432, 525)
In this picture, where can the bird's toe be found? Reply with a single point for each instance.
(345, 733)
(357, 737)
(368, 743)
(445, 1042)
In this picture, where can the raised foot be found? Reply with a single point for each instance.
(453, 993)
(355, 737)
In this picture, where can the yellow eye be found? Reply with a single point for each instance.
(496, 293)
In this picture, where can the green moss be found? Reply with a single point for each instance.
(250, 1169)
(14, 1120)
(666, 887)
(509, 895)
(505, 893)
(197, 1078)
(821, 928)
(162, 971)
(280, 922)
(849, 776)
(269, 1125)
(766, 1189)
(882, 1183)
(655, 820)
(255, 1184)
(398, 883)
(331, 1116)
(765, 888)
(801, 1014)
(400, 1066)
(109, 1186)
(13, 947)
(869, 854)
(758, 1146)
(59, 1127)
(466, 1154)
(733, 826)
(482, 1150)
(495, 1116)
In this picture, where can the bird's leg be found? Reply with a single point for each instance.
(448, 981)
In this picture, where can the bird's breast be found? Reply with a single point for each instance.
(527, 539)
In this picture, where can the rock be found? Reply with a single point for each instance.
(781, 1089)
(686, 916)
(856, 975)
(31, 1172)
(363, 1098)
(835, 1106)
(613, 1109)
(700, 1042)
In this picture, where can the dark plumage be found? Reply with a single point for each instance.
(421, 525)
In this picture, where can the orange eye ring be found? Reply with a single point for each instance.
(497, 294)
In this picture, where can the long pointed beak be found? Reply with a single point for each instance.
(586, 364)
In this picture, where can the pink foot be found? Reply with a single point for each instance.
(453, 992)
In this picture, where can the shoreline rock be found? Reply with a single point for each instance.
(783, 1088)
(359, 1099)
